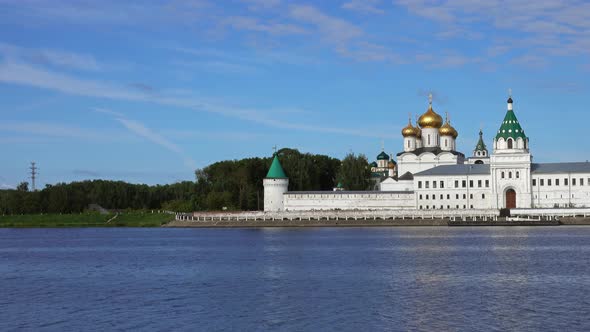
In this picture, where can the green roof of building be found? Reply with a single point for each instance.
(511, 127)
(481, 146)
(276, 170)
(383, 156)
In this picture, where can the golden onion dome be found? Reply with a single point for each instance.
(418, 131)
(410, 130)
(430, 119)
(391, 164)
(448, 130)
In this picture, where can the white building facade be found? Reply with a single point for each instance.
(431, 175)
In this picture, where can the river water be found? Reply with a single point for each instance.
(309, 279)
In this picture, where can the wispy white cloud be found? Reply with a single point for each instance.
(523, 30)
(27, 75)
(364, 6)
(261, 4)
(50, 57)
(255, 24)
(332, 29)
(24, 74)
(141, 130)
(56, 130)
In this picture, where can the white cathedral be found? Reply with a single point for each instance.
(431, 175)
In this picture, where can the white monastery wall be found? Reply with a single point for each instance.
(453, 192)
(561, 190)
(370, 200)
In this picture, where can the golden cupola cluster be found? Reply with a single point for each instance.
(410, 130)
(430, 119)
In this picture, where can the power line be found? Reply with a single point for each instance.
(33, 175)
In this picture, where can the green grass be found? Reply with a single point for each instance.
(127, 219)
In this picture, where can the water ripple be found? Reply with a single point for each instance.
(375, 279)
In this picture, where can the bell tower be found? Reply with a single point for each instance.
(510, 163)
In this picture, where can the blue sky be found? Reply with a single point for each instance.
(147, 91)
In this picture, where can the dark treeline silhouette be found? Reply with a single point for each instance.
(233, 184)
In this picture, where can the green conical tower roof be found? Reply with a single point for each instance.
(276, 170)
(481, 146)
(510, 126)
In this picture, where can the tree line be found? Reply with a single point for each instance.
(232, 185)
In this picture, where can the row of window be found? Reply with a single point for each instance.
(442, 197)
(550, 182)
(442, 207)
(441, 184)
(503, 175)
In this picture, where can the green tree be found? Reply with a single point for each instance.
(23, 186)
(355, 172)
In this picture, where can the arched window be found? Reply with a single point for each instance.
(502, 175)
(479, 162)
(446, 143)
(428, 139)
(510, 175)
(517, 174)
(510, 143)
(408, 143)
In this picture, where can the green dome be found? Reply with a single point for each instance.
(276, 170)
(374, 164)
(383, 156)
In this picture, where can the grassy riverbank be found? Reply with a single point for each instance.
(126, 219)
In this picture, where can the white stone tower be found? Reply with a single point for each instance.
(276, 183)
(511, 164)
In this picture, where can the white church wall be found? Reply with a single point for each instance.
(390, 184)
(409, 162)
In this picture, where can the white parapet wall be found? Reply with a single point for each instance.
(348, 200)
(342, 215)
(555, 212)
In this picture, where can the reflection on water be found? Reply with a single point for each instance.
(429, 279)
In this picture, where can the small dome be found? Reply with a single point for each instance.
(448, 130)
(383, 156)
(391, 164)
(430, 119)
(373, 164)
(509, 100)
(409, 130)
(418, 132)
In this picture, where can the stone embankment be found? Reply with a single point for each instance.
(530, 217)
(331, 218)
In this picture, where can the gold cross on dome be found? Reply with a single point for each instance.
(509, 92)
(430, 98)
